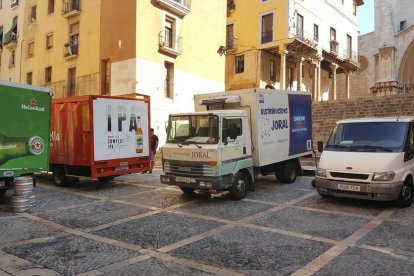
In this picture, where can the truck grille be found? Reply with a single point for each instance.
(188, 168)
(350, 175)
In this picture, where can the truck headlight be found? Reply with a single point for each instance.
(321, 172)
(386, 176)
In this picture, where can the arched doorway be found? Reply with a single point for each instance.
(406, 70)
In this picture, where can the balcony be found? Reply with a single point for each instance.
(351, 60)
(231, 43)
(231, 6)
(179, 7)
(70, 8)
(303, 43)
(14, 3)
(334, 47)
(10, 41)
(71, 50)
(169, 43)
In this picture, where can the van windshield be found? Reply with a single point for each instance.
(368, 137)
(193, 129)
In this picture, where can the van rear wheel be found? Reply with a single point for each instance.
(406, 195)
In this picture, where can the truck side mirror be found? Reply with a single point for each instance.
(320, 146)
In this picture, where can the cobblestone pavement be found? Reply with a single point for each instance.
(136, 226)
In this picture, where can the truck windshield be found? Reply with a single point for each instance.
(368, 137)
(193, 129)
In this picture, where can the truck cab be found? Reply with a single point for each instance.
(209, 150)
(369, 158)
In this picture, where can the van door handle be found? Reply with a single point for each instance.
(244, 150)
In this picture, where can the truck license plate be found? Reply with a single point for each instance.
(184, 179)
(123, 167)
(347, 187)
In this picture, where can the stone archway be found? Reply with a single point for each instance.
(406, 70)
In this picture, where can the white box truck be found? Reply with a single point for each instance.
(236, 135)
(369, 158)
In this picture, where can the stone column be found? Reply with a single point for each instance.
(348, 84)
(333, 90)
(283, 53)
(315, 80)
(299, 72)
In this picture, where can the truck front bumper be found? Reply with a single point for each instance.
(200, 183)
(371, 191)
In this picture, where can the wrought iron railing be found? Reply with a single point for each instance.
(70, 5)
(351, 55)
(71, 48)
(167, 40)
(231, 43)
(334, 46)
(305, 37)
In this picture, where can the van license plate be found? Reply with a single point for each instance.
(184, 179)
(346, 187)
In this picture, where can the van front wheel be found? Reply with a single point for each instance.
(406, 195)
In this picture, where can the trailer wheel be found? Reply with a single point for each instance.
(240, 186)
(106, 178)
(59, 176)
(187, 191)
(289, 172)
(406, 195)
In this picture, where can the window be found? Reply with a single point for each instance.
(33, 14)
(1, 4)
(106, 77)
(403, 25)
(71, 89)
(232, 128)
(333, 34)
(73, 45)
(48, 74)
(12, 59)
(29, 78)
(1, 36)
(14, 3)
(169, 33)
(267, 28)
(349, 45)
(316, 32)
(273, 70)
(30, 49)
(299, 28)
(354, 9)
(51, 6)
(230, 36)
(49, 42)
(239, 64)
(169, 80)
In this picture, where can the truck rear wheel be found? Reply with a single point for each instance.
(106, 178)
(240, 186)
(59, 176)
(288, 172)
(406, 195)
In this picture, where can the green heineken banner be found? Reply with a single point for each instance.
(24, 129)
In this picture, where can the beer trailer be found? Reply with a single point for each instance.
(98, 137)
(24, 131)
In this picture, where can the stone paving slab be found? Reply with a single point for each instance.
(347, 205)
(14, 229)
(303, 182)
(162, 199)
(146, 179)
(330, 226)
(48, 199)
(158, 230)
(93, 214)
(253, 252)
(222, 207)
(156, 267)
(71, 255)
(406, 215)
(109, 189)
(392, 235)
(360, 262)
(275, 194)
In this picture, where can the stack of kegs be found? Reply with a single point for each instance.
(23, 197)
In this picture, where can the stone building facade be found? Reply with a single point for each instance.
(387, 54)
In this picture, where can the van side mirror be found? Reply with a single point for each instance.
(320, 146)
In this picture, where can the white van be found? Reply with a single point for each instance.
(369, 158)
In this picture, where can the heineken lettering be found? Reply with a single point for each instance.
(33, 108)
(15, 147)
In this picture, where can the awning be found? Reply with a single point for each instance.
(8, 37)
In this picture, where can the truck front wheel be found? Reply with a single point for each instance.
(59, 176)
(240, 186)
(187, 191)
(406, 195)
